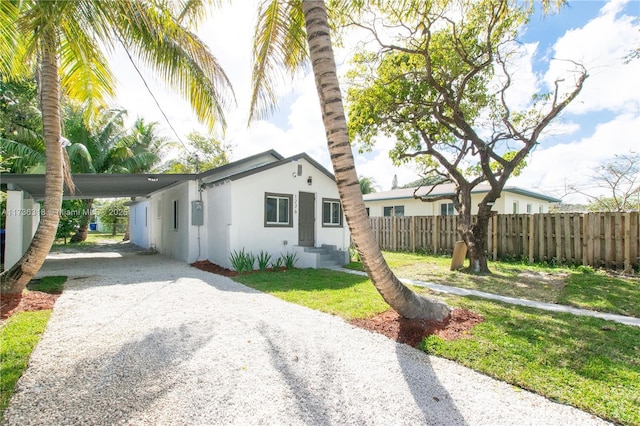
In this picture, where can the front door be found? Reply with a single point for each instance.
(306, 219)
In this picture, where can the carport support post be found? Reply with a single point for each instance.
(13, 248)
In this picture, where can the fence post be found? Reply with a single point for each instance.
(413, 234)
(436, 233)
(627, 242)
(394, 233)
(530, 231)
(494, 220)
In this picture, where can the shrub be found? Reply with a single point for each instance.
(289, 259)
(263, 260)
(277, 264)
(242, 261)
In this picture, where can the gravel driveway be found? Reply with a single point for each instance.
(145, 339)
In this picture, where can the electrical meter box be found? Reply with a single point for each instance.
(197, 213)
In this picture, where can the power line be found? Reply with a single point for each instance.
(153, 96)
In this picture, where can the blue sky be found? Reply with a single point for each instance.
(603, 121)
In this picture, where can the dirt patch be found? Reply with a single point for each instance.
(205, 265)
(28, 301)
(412, 332)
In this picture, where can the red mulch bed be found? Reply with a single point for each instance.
(28, 301)
(412, 332)
(205, 265)
(390, 323)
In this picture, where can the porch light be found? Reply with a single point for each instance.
(309, 180)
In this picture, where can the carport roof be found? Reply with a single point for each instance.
(96, 185)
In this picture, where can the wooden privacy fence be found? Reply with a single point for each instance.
(609, 240)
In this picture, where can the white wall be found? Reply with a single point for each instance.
(218, 223)
(140, 223)
(181, 243)
(246, 217)
(503, 205)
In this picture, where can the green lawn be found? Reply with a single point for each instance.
(18, 336)
(93, 237)
(580, 287)
(585, 362)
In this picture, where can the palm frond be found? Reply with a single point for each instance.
(279, 39)
(156, 37)
(22, 156)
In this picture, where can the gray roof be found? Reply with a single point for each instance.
(140, 185)
(449, 189)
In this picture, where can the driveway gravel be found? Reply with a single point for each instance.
(145, 339)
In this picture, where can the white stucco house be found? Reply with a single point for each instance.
(261, 203)
(401, 202)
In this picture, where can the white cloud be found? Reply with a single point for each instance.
(553, 170)
(601, 46)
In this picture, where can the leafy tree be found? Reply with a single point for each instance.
(441, 89)
(113, 213)
(70, 218)
(620, 178)
(367, 185)
(280, 40)
(64, 40)
(206, 153)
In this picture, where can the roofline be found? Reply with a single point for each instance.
(511, 189)
(253, 171)
(271, 152)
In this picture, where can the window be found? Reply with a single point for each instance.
(278, 209)
(515, 207)
(540, 209)
(529, 208)
(331, 212)
(367, 209)
(175, 215)
(446, 209)
(397, 211)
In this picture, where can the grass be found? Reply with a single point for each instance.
(578, 287)
(585, 362)
(18, 336)
(52, 284)
(93, 237)
(349, 296)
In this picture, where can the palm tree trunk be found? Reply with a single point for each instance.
(14, 280)
(83, 229)
(404, 301)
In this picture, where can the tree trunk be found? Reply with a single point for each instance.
(475, 237)
(83, 230)
(404, 301)
(14, 280)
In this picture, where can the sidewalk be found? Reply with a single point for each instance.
(514, 301)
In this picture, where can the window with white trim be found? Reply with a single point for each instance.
(278, 210)
(331, 212)
(446, 209)
(397, 211)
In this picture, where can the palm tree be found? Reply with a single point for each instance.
(279, 39)
(367, 185)
(64, 40)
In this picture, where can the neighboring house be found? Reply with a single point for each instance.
(261, 203)
(401, 202)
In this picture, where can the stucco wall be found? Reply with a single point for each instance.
(140, 223)
(246, 227)
(182, 242)
(503, 205)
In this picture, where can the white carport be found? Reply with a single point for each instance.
(25, 190)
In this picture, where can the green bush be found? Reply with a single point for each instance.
(263, 260)
(289, 260)
(242, 261)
